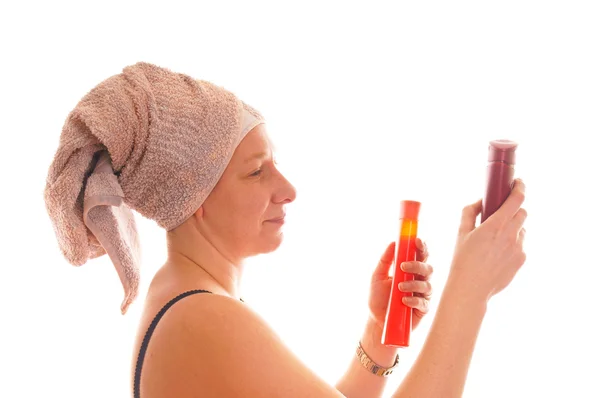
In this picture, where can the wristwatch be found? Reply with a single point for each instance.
(372, 366)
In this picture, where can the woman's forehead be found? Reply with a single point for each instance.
(256, 144)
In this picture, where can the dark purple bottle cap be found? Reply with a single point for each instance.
(502, 151)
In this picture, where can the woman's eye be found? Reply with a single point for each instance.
(256, 173)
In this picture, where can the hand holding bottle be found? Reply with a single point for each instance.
(487, 257)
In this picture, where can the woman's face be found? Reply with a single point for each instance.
(245, 211)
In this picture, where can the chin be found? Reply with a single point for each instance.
(270, 244)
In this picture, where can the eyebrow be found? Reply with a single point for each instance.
(259, 155)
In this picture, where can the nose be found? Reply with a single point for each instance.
(286, 192)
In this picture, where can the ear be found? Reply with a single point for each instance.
(199, 213)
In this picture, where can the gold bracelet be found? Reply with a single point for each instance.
(371, 366)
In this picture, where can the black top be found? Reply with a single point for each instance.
(144, 347)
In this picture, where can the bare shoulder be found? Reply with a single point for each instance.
(214, 346)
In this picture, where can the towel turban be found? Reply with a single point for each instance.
(147, 139)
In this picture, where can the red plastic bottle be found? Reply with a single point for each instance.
(500, 175)
(398, 319)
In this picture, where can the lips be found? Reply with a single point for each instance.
(277, 219)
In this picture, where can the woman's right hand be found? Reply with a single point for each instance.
(487, 258)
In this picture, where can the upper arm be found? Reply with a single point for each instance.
(213, 346)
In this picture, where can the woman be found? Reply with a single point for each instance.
(196, 336)
(197, 351)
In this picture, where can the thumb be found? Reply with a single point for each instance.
(383, 267)
(469, 217)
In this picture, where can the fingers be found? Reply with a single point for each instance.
(418, 303)
(422, 250)
(417, 267)
(521, 236)
(515, 225)
(520, 239)
(511, 205)
(416, 286)
(469, 217)
(383, 267)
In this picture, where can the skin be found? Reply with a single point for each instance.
(212, 345)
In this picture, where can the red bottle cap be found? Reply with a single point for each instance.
(409, 209)
(502, 151)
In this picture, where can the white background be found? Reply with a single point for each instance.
(368, 104)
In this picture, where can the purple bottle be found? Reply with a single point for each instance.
(500, 175)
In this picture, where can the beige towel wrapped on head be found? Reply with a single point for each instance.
(149, 140)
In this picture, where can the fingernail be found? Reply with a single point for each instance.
(403, 266)
(402, 286)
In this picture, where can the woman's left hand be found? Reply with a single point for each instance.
(381, 285)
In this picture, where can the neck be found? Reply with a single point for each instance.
(201, 259)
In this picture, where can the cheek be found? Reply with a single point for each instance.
(238, 211)
(254, 212)
(246, 212)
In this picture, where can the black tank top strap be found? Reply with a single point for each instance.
(144, 347)
(146, 341)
